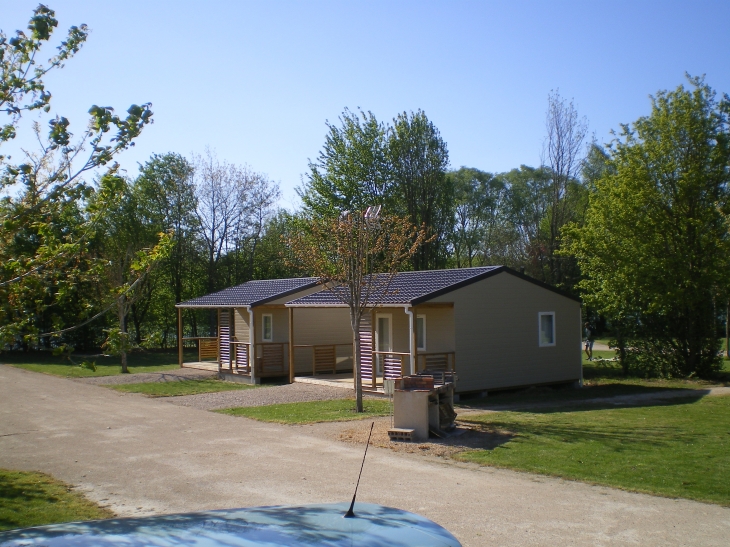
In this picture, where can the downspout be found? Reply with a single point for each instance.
(409, 311)
(580, 337)
(251, 343)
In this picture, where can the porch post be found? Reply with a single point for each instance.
(218, 336)
(252, 343)
(411, 340)
(291, 345)
(179, 337)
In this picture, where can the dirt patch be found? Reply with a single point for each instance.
(468, 437)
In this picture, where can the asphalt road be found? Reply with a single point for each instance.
(143, 456)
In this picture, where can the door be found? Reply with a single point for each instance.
(383, 338)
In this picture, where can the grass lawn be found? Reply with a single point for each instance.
(34, 499)
(46, 362)
(675, 450)
(338, 410)
(180, 387)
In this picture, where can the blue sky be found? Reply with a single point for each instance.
(256, 81)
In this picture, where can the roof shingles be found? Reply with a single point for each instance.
(251, 293)
(407, 287)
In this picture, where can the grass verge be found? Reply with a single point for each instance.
(681, 449)
(180, 387)
(46, 362)
(35, 499)
(338, 410)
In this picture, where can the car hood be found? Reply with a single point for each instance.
(290, 526)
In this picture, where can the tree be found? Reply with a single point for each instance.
(655, 250)
(418, 162)
(49, 179)
(347, 252)
(352, 171)
(165, 193)
(482, 228)
(563, 153)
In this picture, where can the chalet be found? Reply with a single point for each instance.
(493, 326)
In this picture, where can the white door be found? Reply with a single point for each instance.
(383, 338)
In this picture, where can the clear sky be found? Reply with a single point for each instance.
(256, 80)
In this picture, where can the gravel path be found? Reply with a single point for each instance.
(142, 456)
(289, 393)
(169, 376)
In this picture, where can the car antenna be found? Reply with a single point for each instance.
(350, 513)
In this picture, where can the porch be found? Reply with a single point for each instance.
(393, 343)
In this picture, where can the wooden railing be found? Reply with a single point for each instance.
(324, 357)
(440, 361)
(240, 352)
(393, 364)
(207, 346)
(271, 359)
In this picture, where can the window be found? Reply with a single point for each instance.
(267, 330)
(421, 332)
(547, 328)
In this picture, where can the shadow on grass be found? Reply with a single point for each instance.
(559, 396)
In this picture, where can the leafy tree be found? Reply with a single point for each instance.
(655, 249)
(48, 180)
(352, 172)
(418, 162)
(165, 193)
(347, 252)
(482, 226)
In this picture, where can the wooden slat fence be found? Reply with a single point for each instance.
(367, 372)
(224, 340)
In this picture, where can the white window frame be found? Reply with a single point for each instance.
(263, 327)
(421, 348)
(539, 329)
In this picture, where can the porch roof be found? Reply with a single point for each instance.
(407, 288)
(251, 293)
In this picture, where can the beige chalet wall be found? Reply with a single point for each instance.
(319, 326)
(496, 326)
(280, 323)
(240, 324)
(439, 328)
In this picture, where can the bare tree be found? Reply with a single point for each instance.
(563, 154)
(356, 256)
(222, 191)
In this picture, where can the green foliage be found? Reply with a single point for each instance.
(654, 249)
(47, 269)
(671, 450)
(401, 167)
(311, 412)
(35, 499)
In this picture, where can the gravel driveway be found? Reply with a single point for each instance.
(142, 456)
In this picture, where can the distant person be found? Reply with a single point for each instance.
(589, 341)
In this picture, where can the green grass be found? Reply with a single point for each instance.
(338, 410)
(675, 450)
(46, 362)
(34, 499)
(180, 387)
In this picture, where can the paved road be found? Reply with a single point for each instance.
(145, 456)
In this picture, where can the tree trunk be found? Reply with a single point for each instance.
(727, 330)
(355, 322)
(123, 334)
